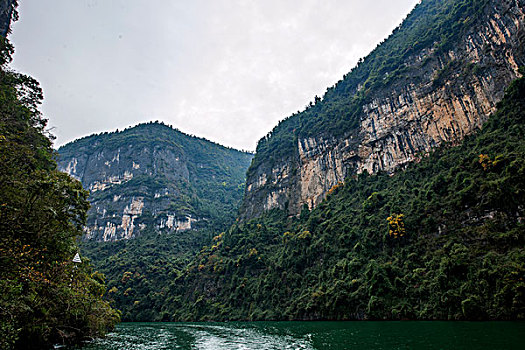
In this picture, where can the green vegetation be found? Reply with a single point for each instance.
(193, 177)
(139, 271)
(45, 298)
(430, 29)
(443, 239)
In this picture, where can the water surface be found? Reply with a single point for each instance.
(314, 335)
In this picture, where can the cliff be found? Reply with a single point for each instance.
(153, 177)
(7, 13)
(435, 80)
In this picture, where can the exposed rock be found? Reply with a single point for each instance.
(452, 96)
(152, 177)
(6, 15)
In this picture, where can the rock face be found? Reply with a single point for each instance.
(154, 177)
(444, 96)
(6, 14)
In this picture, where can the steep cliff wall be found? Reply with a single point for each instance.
(154, 177)
(7, 9)
(444, 92)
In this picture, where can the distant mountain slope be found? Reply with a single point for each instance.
(153, 177)
(7, 8)
(435, 79)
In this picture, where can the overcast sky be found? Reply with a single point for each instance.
(226, 70)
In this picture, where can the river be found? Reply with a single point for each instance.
(314, 335)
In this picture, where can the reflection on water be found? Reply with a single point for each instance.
(226, 337)
(313, 335)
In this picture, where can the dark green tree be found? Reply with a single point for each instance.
(44, 297)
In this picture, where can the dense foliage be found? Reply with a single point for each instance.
(44, 297)
(443, 239)
(139, 271)
(432, 26)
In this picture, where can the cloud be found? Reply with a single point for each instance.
(227, 70)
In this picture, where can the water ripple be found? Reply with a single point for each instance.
(313, 335)
(213, 337)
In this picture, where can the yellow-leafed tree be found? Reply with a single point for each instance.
(396, 226)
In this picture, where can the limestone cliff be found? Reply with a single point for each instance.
(433, 94)
(153, 177)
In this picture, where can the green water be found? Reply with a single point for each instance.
(314, 335)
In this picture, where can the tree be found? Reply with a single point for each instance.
(396, 226)
(44, 298)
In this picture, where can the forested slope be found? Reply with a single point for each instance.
(157, 196)
(443, 239)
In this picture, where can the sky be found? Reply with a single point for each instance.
(226, 70)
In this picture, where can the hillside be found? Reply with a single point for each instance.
(152, 177)
(433, 81)
(391, 197)
(146, 180)
(443, 239)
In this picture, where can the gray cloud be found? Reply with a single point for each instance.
(227, 70)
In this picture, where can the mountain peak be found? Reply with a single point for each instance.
(154, 177)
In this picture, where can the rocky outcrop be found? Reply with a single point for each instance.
(152, 177)
(110, 166)
(450, 96)
(6, 15)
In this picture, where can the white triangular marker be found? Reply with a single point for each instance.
(76, 259)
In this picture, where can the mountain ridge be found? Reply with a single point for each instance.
(157, 122)
(435, 79)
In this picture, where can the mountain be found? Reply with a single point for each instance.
(7, 10)
(442, 240)
(398, 195)
(152, 177)
(433, 81)
(146, 180)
